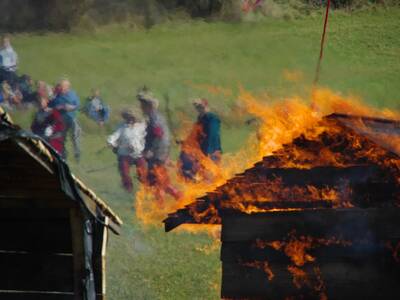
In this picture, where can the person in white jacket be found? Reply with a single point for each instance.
(128, 143)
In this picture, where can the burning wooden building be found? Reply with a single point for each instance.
(317, 219)
(53, 229)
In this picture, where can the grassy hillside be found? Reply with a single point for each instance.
(181, 59)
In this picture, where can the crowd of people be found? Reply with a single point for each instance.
(146, 145)
(57, 117)
(142, 140)
(57, 107)
(12, 88)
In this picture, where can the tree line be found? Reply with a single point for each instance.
(56, 15)
(32, 15)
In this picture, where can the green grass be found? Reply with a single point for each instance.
(362, 57)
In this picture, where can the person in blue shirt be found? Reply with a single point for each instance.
(96, 109)
(203, 143)
(67, 102)
(210, 136)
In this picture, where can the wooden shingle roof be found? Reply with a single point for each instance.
(340, 147)
(53, 163)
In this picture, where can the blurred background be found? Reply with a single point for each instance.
(183, 49)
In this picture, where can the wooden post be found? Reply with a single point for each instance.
(103, 258)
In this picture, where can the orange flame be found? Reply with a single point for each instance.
(395, 248)
(260, 265)
(279, 123)
(296, 249)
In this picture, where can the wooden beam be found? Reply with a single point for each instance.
(43, 162)
(317, 176)
(341, 223)
(102, 288)
(18, 187)
(357, 279)
(284, 205)
(36, 271)
(35, 295)
(338, 116)
(35, 235)
(33, 214)
(248, 251)
(23, 200)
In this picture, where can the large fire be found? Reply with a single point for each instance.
(292, 120)
(332, 158)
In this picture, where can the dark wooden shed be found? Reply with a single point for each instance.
(318, 219)
(53, 229)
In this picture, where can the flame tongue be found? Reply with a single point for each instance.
(290, 135)
(319, 167)
(297, 249)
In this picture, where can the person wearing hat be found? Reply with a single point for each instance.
(128, 143)
(157, 146)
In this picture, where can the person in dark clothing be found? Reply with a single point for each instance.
(49, 124)
(157, 147)
(25, 85)
(202, 145)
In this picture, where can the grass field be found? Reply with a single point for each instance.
(362, 58)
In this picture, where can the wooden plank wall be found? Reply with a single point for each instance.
(78, 251)
(35, 246)
(344, 223)
(35, 254)
(41, 244)
(364, 269)
(22, 176)
(342, 280)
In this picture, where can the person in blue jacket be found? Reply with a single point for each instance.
(96, 109)
(210, 135)
(203, 142)
(67, 102)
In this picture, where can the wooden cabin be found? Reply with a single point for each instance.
(317, 219)
(53, 229)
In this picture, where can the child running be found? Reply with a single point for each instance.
(128, 142)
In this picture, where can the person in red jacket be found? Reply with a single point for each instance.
(49, 124)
